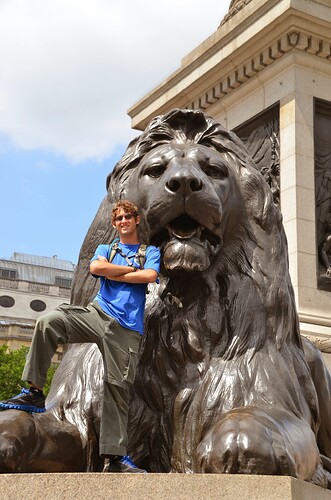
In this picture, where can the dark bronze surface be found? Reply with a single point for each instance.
(224, 382)
(322, 139)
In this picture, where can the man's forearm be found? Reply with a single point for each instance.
(102, 267)
(140, 276)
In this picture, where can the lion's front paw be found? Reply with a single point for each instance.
(253, 441)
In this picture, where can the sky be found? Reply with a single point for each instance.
(70, 70)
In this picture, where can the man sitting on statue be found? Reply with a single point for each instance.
(114, 321)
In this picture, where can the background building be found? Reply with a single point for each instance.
(266, 74)
(30, 285)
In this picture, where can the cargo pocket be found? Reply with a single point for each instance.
(130, 371)
(120, 365)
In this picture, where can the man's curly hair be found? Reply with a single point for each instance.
(125, 205)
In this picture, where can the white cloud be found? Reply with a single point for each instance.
(70, 69)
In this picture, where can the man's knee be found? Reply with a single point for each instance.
(51, 323)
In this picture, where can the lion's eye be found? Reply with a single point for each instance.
(155, 170)
(216, 171)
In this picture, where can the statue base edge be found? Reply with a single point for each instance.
(157, 486)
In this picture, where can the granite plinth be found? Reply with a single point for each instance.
(156, 486)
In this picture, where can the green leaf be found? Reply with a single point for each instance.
(11, 368)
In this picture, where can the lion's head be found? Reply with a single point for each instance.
(191, 179)
(184, 189)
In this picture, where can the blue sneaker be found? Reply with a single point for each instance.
(124, 464)
(26, 400)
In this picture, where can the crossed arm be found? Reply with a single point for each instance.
(126, 274)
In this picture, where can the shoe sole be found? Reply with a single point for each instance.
(133, 470)
(29, 409)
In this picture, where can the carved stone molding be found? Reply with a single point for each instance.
(322, 343)
(293, 40)
(235, 6)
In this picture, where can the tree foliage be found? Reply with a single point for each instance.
(11, 367)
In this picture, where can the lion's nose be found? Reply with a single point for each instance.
(183, 184)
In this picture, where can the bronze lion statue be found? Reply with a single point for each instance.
(225, 383)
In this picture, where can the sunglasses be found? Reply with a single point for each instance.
(126, 217)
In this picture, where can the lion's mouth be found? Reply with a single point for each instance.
(185, 228)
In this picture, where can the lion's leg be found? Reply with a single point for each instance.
(252, 440)
(322, 382)
(38, 443)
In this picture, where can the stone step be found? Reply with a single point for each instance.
(98, 486)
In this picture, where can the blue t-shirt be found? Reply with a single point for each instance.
(126, 301)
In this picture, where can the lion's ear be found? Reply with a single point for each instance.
(84, 286)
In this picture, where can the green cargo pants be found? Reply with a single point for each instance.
(119, 349)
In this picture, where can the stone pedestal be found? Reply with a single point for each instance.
(99, 486)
